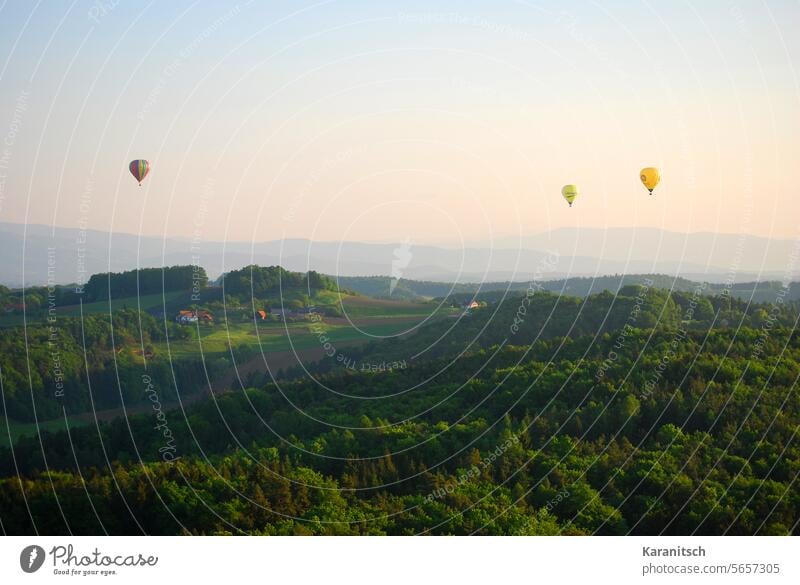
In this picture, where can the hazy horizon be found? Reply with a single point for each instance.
(442, 243)
(38, 253)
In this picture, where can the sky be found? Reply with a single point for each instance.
(436, 122)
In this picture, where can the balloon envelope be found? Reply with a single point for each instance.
(650, 177)
(139, 169)
(570, 192)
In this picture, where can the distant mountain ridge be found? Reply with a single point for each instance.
(579, 286)
(33, 253)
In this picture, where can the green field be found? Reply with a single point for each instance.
(154, 302)
(357, 306)
(216, 340)
(19, 429)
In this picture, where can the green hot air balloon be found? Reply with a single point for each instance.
(570, 192)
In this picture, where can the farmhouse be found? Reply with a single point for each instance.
(186, 316)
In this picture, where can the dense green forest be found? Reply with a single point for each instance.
(524, 319)
(644, 412)
(506, 443)
(145, 281)
(262, 282)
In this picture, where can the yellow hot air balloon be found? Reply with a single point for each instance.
(650, 178)
(570, 192)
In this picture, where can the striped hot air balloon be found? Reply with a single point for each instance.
(139, 169)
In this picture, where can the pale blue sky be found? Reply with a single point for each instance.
(370, 121)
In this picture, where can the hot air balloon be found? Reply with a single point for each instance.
(570, 192)
(650, 178)
(139, 169)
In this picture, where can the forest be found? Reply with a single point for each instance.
(145, 281)
(259, 282)
(645, 412)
